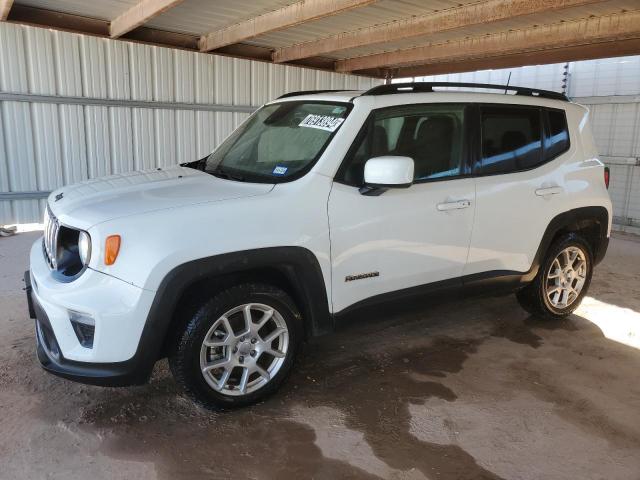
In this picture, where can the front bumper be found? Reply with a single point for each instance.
(119, 310)
(104, 374)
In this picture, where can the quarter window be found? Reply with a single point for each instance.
(511, 139)
(557, 138)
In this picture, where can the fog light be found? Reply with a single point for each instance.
(84, 326)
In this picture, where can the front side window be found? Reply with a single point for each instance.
(510, 139)
(279, 142)
(432, 135)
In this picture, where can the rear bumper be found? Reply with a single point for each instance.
(114, 374)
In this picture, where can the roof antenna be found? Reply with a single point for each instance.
(388, 77)
(507, 85)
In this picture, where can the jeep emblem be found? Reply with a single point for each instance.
(59, 196)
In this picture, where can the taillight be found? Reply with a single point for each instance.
(607, 176)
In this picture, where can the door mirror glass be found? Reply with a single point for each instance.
(389, 171)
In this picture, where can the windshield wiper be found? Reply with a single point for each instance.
(220, 173)
(197, 164)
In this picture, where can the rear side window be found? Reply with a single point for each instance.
(511, 139)
(557, 137)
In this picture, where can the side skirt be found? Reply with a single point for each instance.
(497, 282)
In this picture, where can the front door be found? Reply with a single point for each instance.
(407, 237)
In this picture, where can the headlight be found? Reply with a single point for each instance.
(84, 247)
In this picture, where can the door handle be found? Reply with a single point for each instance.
(542, 192)
(457, 205)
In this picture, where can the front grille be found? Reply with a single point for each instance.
(50, 240)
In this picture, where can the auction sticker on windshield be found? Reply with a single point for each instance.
(322, 122)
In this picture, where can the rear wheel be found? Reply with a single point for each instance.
(562, 281)
(239, 346)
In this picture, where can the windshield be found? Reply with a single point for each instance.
(279, 142)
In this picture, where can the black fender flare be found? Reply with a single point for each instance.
(298, 264)
(572, 220)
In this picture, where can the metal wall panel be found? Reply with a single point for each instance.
(617, 133)
(17, 125)
(5, 207)
(44, 145)
(610, 87)
(607, 76)
(548, 77)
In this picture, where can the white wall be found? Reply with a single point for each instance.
(610, 87)
(64, 135)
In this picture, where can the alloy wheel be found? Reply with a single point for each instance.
(244, 349)
(566, 277)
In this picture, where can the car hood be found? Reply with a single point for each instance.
(95, 201)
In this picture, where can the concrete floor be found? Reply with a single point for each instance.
(471, 389)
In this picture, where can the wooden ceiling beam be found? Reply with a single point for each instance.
(547, 37)
(286, 17)
(5, 6)
(138, 15)
(568, 54)
(39, 17)
(457, 18)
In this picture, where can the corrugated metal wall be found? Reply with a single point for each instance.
(74, 107)
(610, 87)
(548, 77)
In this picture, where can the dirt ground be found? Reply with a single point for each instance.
(470, 389)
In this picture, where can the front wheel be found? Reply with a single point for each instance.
(238, 347)
(562, 281)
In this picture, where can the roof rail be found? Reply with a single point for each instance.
(415, 87)
(308, 92)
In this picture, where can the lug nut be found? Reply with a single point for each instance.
(241, 359)
(235, 349)
(253, 353)
(254, 340)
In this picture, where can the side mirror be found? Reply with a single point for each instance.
(382, 173)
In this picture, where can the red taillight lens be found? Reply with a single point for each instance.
(607, 176)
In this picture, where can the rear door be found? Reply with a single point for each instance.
(520, 184)
(405, 237)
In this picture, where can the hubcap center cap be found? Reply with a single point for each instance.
(244, 348)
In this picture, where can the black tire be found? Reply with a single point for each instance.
(533, 298)
(184, 359)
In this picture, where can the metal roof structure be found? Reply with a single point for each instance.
(378, 38)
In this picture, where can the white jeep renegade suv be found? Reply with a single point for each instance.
(319, 203)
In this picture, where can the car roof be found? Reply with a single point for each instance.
(453, 96)
(323, 95)
(418, 92)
